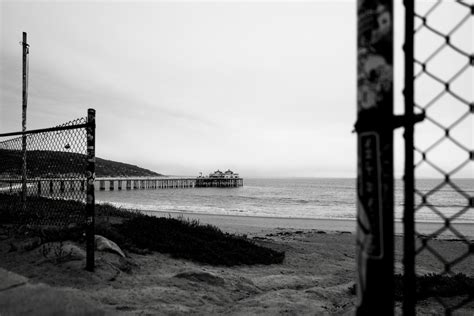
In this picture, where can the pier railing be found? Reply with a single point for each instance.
(47, 177)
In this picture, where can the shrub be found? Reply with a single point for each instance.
(188, 239)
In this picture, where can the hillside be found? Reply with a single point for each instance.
(110, 168)
(44, 163)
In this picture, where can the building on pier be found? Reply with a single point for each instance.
(229, 174)
(219, 179)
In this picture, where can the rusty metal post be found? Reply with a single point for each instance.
(374, 126)
(90, 201)
(23, 118)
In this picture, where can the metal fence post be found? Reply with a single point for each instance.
(90, 201)
(23, 119)
(409, 286)
(374, 126)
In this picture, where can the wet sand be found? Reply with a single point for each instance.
(252, 224)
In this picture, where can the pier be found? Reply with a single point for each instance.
(166, 183)
(144, 183)
(51, 186)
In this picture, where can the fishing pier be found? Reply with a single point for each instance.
(45, 186)
(166, 183)
(144, 183)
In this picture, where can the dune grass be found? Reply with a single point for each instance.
(188, 239)
(137, 232)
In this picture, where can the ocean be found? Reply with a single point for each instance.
(314, 198)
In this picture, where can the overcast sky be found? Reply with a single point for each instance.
(266, 89)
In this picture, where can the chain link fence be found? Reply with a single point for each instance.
(443, 84)
(47, 179)
(55, 190)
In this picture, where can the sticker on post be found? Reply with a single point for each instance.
(370, 219)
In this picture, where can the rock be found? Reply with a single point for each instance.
(26, 245)
(32, 244)
(126, 265)
(75, 252)
(9, 279)
(104, 244)
(62, 251)
(20, 297)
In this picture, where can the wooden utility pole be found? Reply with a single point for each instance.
(23, 121)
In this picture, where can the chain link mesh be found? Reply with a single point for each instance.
(444, 59)
(56, 186)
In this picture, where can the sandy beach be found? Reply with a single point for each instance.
(253, 224)
(315, 277)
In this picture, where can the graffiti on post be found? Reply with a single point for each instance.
(370, 196)
(375, 155)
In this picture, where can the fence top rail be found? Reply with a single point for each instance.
(131, 178)
(17, 179)
(51, 129)
(61, 178)
(142, 178)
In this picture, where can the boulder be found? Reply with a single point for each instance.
(62, 251)
(26, 244)
(20, 297)
(104, 244)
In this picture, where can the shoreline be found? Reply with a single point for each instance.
(246, 224)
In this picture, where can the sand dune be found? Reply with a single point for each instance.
(315, 278)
